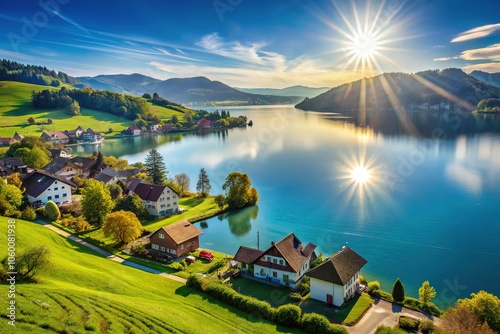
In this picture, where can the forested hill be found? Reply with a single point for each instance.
(401, 91)
(13, 71)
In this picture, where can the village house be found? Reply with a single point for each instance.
(160, 200)
(336, 280)
(204, 123)
(285, 262)
(175, 240)
(13, 165)
(75, 134)
(55, 137)
(70, 167)
(54, 154)
(134, 130)
(107, 175)
(91, 136)
(7, 141)
(42, 187)
(127, 174)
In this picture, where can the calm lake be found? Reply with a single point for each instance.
(430, 210)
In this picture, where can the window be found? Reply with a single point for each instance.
(161, 235)
(65, 195)
(56, 188)
(269, 258)
(286, 278)
(168, 205)
(263, 258)
(168, 191)
(155, 246)
(56, 196)
(162, 206)
(168, 198)
(173, 251)
(175, 203)
(48, 189)
(275, 274)
(275, 261)
(281, 261)
(49, 198)
(182, 246)
(262, 272)
(162, 248)
(55, 182)
(63, 187)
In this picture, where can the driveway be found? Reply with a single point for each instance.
(384, 313)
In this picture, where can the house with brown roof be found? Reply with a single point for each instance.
(55, 137)
(14, 165)
(134, 130)
(108, 175)
(76, 133)
(42, 187)
(175, 240)
(336, 280)
(285, 262)
(7, 141)
(160, 200)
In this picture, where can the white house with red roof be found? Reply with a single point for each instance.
(160, 200)
(285, 262)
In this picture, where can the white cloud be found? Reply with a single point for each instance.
(478, 32)
(485, 67)
(445, 58)
(491, 52)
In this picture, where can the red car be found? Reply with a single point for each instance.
(206, 255)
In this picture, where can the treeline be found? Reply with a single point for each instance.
(159, 101)
(13, 71)
(127, 106)
(489, 105)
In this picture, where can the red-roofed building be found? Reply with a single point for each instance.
(175, 240)
(204, 123)
(160, 200)
(55, 137)
(134, 130)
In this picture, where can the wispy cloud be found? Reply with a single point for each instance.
(485, 67)
(478, 32)
(11, 54)
(70, 21)
(491, 52)
(445, 58)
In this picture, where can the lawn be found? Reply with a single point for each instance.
(84, 292)
(276, 296)
(167, 113)
(16, 108)
(348, 313)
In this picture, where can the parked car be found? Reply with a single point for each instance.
(206, 255)
(190, 259)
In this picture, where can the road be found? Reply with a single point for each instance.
(384, 313)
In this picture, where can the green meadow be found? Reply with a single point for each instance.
(16, 108)
(83, 292)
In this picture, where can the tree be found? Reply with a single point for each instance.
(123, 226)
(51, 211)
(398, 291)
(36, 157)
(426, 292)
(486, 307)
(155, 167)
(134, 204)
(96, 202)
(115, 190)
(30, 262)
(146, 96)
(11, 198)
(220, 200)
(203, 185)
(174, 119)
(238, 191)
(73, 108)
(31, 120)
(461, 319)
(28, 213)
(182, 181)
(15, 180)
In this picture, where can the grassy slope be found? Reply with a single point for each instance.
(166, 113)
(84, 291)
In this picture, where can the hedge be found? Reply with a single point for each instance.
(288, 315)
(408, 324)
(318, 324)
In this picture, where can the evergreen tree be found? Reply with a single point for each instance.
(398, 291)
(426, 292)
(155, 167)
(203, 185)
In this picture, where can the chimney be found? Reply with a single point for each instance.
(272, 243)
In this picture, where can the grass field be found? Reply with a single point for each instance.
(166, 113)
(83, 292)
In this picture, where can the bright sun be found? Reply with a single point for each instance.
(364, 45)
(360, 175)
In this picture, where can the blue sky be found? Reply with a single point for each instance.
(252, 43)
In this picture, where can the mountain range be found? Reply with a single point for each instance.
(401, 91)
(491, 78)
(197, 90)
(298, 90)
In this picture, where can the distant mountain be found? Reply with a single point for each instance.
(302, 91)
(197, 90)
(400, 91)
(491, 78)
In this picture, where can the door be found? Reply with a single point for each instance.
(329, 299)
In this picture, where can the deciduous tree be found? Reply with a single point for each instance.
(486, 307)
(155, 167)
(203, 185)
(182, 181)
(11, 198)
(96, 202)
(134, 204)
(238, 191)
(123, 226)
(220, 200)
(461, 319)
(426, 293)
(30, 262)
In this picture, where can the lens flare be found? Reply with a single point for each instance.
(360, 174)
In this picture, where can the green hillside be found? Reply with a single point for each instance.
(84, 292)
(16, 108)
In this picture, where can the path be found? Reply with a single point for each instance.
(384, 313)
(109, 255)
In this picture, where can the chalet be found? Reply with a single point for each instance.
(160, 200)
(70, 167)
(175, 240)
(91, 136)
(129, 189)
(153, 127)
(336, 280)
(42, 187)
(18, 137)
(76, 133)
(54, 154)
(14, 165)
(134, 130)
(285, 262)
(107, 175)
(204, 123)
(127, 174)
(55, 137)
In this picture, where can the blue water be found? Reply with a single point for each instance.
(430, 210)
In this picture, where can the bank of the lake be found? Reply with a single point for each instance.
(429, 212)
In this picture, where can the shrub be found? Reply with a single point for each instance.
(40, 212)
(195, 282)
(216, 266)
(382, 294)
(375, 285)
(408, 324)
(427, 327)
(304, 287)
(412, 303)
(288, 315)
(318, 324)
(28, 214)
(388, 330)
(362, 280)
(176, 266)
(52, 211)
(295, 296)
(75, 224)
